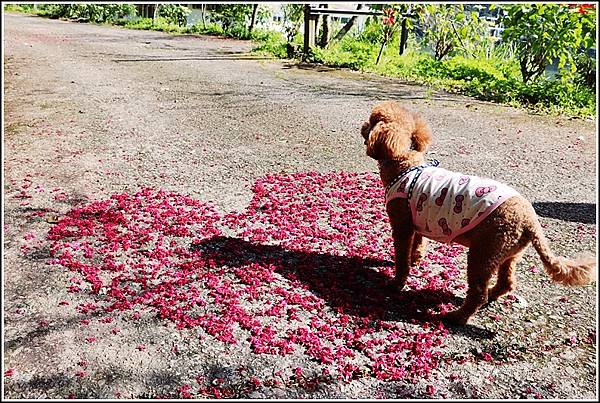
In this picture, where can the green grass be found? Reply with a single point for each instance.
(493, 78)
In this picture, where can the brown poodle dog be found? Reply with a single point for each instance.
(497, 231)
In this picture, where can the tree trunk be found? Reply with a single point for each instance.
(348, 26)
(380, 52)
(325, 34)
(202, 14)
(317, 22)
(403, 37)
(253, 18)
(155, 15)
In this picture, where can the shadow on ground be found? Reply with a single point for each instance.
(349, 284)
(378, 88)
(584, 213)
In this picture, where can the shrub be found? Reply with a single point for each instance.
(271, 42)
(87, 12)
(462, 68)
(205, 29)
(372, 33)
(543, 32)
(355, 55)
(174, 13)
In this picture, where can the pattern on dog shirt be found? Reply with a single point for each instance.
(445, 204)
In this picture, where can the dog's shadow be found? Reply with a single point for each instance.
(351, 285)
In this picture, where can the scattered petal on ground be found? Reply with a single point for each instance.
(304, 273)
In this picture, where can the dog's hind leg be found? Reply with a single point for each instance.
(506, 278)
(480, 268)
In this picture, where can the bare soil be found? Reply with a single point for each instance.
(91, 111)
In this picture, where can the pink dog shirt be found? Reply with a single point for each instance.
(445, 204)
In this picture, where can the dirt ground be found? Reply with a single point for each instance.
(94, 111)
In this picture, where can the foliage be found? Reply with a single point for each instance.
(23, 8)
(389, 23)
(234, 18)
(372, 32)
(160, 24)
(293, 17)
(543, 32)
(586, 70)
(174, 13)
(351, 54)
(449, 28)
(205, 29)
(271, 42)
(88, 12)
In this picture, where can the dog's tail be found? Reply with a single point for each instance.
(564, 271)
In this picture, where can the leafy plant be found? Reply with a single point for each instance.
(389, 25)
(544, 32)
(293, 17)
(88, 12)
(236, 19)
(270, 42)
(205, 29)
(450, 27)
(174, 13)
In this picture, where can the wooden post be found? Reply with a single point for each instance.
(325, 37)
(309, 30)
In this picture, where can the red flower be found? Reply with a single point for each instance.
(389, 17)
(584, 7)
(9, 372)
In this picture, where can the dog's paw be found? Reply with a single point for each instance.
(416, 257)
(451, 318)
(394, 285)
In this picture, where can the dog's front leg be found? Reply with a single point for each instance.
(403, 240)
(403, 234)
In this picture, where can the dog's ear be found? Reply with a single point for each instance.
(421, 136)
(374, 140)
(364, 131)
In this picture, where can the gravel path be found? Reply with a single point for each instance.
(92, 111)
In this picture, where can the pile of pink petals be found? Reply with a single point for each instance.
(304, 270)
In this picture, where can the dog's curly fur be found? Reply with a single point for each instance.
(398, 139)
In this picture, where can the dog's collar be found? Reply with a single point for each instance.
(403, 173)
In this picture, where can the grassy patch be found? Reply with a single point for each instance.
(493, 78)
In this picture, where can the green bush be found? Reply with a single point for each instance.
(174, 14)
(355, 55)
(237, 31)
(161, 24)
(204, 29)
(22, 8)
(270, 42)
(140, 23)
(98, 13)
(372, 32)
(462, 68)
